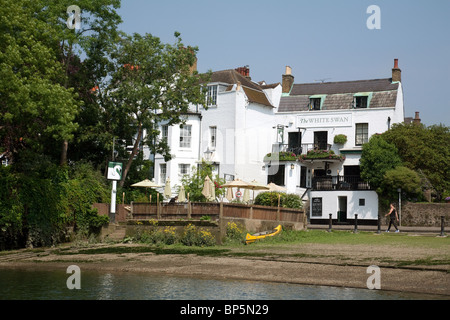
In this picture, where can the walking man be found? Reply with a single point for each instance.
(393, 218)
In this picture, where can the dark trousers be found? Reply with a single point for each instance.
(392, 222)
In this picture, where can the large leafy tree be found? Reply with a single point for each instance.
(425, 150)
(378, 157)
(42, 83)
(44, 86)
(401, 178)
(84, 28)
(152, 82)
(34, 105)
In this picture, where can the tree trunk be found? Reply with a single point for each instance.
(132, 155)
(65, 147)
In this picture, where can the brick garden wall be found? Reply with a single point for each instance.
(425, 214)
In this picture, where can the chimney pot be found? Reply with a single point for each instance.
(287, 80)
(244, 71)
(288, 70)
(416, 118)
(396, 72)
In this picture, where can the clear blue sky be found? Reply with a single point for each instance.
(320, 39)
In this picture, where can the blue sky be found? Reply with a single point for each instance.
(320, 39)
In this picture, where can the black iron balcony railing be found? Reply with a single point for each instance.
(298, 150)
(325, 183)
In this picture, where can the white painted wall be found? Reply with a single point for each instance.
(330, 204)
(244, 136)
(180, 155)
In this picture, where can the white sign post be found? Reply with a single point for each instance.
(114, 174)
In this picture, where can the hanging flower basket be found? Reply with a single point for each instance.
(340, 139)
(321, 154)
(280, 156)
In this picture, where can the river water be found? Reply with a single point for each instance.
(52, 285)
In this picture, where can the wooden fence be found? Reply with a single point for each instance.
(197, 210)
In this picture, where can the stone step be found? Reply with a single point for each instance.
(118, 234)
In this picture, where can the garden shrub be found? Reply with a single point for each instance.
(193, 236)
(158, 236)
(235, 232)
(38, 204)
(270, 199)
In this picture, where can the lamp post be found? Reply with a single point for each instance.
(208, 154)
(399, 190)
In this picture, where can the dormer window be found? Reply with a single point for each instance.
(212, 95)
(361, 102)
(314, 103)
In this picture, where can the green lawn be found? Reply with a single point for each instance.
(348, 237)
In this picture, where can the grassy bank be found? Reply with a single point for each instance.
(434, 250)
(350, 238)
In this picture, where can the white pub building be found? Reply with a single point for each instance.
(305, 137)
(327, 124)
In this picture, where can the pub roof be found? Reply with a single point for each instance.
(340, 95)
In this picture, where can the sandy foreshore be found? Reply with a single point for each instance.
(311, 264)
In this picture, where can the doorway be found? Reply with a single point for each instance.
(295, 142)
(321, 140)
(342, 209)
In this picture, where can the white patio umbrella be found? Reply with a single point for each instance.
(167, 189)
(257, 186)
(246, 196)
(207, 188)
(229, 195)
(212, 192)
(237, 183)
(146, 184)
(274, 187)
(181, 195)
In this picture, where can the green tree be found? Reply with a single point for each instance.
(34, 106)
(424, 149)
(193, 184)
(404, 178)
(152, 82)
(93, 37)
(378, 157)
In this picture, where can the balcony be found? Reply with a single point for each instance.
(329, 183)
(298, 150)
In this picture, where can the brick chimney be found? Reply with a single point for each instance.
(287, 80)
(244, 71)
(193, 68)
(416, 119)
(396, 72)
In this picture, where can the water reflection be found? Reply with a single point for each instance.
(46, 285)
(106, 286)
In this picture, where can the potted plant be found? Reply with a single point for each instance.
(340, 139)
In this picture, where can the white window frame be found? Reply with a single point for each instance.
(361, 133)
(185, 136)
(212, 95)
(213, 137)
(184, 169)
(165, 132)
(162, 173)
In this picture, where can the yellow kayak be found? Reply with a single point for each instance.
(250, 238)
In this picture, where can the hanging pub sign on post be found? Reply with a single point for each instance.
(114, 174)
(114, 171)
